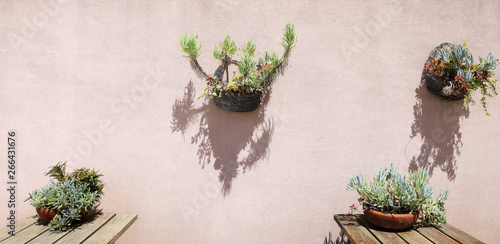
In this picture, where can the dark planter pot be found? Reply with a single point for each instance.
(391, 221)
(48, 214)
(434, 83)
(239, 102)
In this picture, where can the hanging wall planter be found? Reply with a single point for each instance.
(236, 102)
(435, 83)
(242, 92)
(452, 74)
(245, 102)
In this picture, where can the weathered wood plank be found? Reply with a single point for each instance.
(52, 236)
(88, 228)
(49, 236)
(435, 235)
(28, 233)
(354, 229)
(413, 236)
(20, 226)
(382, 235)
(113, 229)
(459, 235)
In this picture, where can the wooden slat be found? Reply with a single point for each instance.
(459, 235)
(113, 229)
(354, 229)
(82, 232)
(52, 236)
(435, 235)
(382, 235)
(413, 236)
(29, 233)
(20, 226)
(49, 236)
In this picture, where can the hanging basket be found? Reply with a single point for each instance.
(434, 83)
(238, 102)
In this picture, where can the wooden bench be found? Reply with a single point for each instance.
(100, 228)
(359, 230)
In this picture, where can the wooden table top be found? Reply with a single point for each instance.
(100, 228)
(359, 230)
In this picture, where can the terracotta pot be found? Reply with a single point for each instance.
(391, 221)
(46, 213)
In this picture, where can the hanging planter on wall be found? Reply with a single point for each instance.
(452, 74)
(243, 92)
(238, 103)
(437, 83)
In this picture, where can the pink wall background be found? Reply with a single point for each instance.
(104, 84)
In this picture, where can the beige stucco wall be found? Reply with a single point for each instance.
(104, 84)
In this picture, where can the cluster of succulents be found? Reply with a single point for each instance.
(253, 76)
(391, 192)
(455, 65)
(71, 196)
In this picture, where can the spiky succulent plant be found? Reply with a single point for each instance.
(254, 75)
(72, 194)
(393, 192)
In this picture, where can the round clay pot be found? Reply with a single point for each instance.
(46, 213)
(391, 221)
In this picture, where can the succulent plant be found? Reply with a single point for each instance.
(393, 192)
(254, 75)
(71, 195)
(455, 65)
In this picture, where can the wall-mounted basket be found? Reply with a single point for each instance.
(243, 92)
(239, 102)
(236, 102)
(435, 83)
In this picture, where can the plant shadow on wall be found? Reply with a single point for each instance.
(232, 142)
(437, 122)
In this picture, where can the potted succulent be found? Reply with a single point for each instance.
(242, 92)
(452, 73)
(395, 202)
(69, 199)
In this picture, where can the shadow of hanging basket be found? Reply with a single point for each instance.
(436, 84)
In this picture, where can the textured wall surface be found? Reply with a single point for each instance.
(104, 85)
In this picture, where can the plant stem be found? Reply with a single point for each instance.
(227, 61)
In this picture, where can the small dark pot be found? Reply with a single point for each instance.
(391, 221)
(239, 102)
(435, 84)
